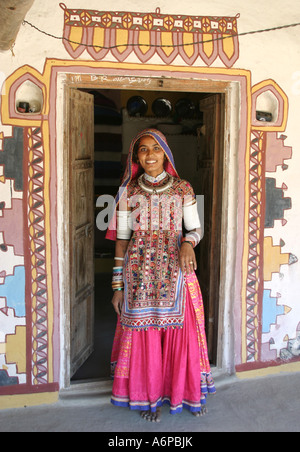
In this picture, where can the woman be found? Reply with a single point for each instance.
(159, 353)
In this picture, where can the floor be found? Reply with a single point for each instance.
(269, 404)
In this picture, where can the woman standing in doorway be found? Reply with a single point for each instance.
(159, 353)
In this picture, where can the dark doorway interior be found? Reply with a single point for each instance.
(194, 131)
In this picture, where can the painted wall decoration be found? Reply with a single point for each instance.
(274, 346)
(11, 158)
(147, 34)
(24, 329)
(12, 272)
(267, 204)
(36, 257)
(25, 326)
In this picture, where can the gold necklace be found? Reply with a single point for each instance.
(155, 190)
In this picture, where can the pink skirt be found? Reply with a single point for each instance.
(152, 367)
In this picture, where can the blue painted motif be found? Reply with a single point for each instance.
(14, 291)
(270, 311)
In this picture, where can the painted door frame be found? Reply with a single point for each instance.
(145, 80)
(243, 216)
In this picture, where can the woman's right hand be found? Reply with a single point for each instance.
(117, 301)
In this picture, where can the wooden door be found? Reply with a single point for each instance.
(209, 166)
(81, 170)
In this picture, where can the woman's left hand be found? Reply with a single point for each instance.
(187, 258)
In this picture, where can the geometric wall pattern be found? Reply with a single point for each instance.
(38, 276)
(12, 272)
(276, 204)
(23, 294)
(271, 309)
(255, 257)
(267, 205)
(275, 260)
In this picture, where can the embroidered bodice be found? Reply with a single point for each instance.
(154, 284)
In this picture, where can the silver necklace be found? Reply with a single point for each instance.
(155, 190)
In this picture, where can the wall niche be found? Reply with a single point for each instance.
(29, 98)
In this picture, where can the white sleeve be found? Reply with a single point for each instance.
(191, 217)
(123, 224)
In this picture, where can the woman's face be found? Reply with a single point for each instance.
(151, 156)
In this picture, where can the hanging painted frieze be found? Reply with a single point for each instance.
(147, 34)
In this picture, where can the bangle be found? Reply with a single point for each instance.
(194, 237)
(119, 258)
(117, 274)
(117, 285)
(118, 289)
(117, 279)
(187, 241)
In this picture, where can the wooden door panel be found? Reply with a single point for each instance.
(210, 164)
(83, 266)
(81, 147)
(82, 126)
(82, 331)
(206, 175)
(82, 205)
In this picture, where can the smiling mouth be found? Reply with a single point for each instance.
(150, 162)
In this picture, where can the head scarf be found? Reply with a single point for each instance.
(132, 171)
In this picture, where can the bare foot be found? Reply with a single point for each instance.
(152, 417)
(202, 412)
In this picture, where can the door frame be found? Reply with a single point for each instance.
(128, 80)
